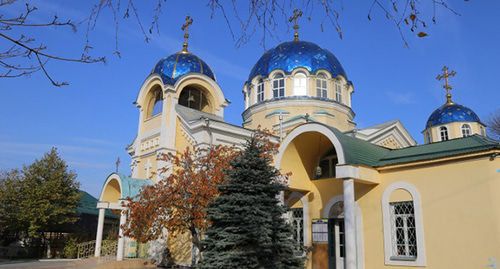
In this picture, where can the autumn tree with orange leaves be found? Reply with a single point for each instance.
(179, 201)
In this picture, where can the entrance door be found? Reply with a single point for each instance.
(336, 243)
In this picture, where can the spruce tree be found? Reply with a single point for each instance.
(247, 225)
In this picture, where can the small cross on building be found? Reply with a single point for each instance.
(297, 13)
(185, 27)
(446, 75)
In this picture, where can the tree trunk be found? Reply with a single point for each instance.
(196, 245)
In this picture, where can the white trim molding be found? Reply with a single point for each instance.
(386, 216)
(305, 128)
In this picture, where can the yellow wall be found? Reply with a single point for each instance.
(460, 210)
(460, 205)
(340, 120)
(454, 130)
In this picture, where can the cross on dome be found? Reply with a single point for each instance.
(185, 27)
(297, 13)
(445, 75)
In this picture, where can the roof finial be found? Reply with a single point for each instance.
(185, 27)
(446, 85)
(297, 13)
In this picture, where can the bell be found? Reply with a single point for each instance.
(318, 171)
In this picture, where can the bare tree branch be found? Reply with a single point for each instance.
(244, 19)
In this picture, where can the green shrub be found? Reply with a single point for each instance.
(71, 248)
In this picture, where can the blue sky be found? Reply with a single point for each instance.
(92, 120)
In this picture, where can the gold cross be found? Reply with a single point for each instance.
(297, 13)
(446, 75)
(185, 27)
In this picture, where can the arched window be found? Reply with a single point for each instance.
(466, 131)
(403, 225)
(278, 86)
(483, 132)
(194, 98)
(300, 84)
(158, 103)
(338, 92)
(321, 86)
(443, 132)
(327, 165)
(155, 103)
(260, 91)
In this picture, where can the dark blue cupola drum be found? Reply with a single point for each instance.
(171, 68)
(453, 112)
(289, 56)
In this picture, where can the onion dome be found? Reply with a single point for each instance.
(288, 56)
(452, 112)
(171, 68)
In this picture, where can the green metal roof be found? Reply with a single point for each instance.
(454, 147)
(361, 152)
(357, 151)
(88, 204)
(131, 187)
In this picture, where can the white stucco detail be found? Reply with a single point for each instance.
(417, 207)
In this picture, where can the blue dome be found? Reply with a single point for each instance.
(179, 64)
(452, 113)
(288, 56)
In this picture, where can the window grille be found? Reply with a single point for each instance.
(278, 86)
(466, 130)
(403, 233)
(321, 86)
(443, 131)
(260, 91)
(297, 221)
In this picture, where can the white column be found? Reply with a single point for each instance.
(305, 211)
(350, 224)
(100, 228)
(121, 237)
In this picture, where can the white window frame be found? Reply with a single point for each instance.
(443, 133)
(279, 89)
(260, 91)
(338, 92)
(321, 86)
(389, 258)
(300, 84)
(466, 130)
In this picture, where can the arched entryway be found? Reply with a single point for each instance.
(312, 153)
(115, 191)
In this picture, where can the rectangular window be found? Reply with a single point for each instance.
(403, 233)
(321, 89)
(260, 92)
(278, 88)
(300, 84)
(338, 93)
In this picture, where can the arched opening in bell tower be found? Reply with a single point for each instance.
(195, 97)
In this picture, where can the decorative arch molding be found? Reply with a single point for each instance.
(151, 82)
(310, 127)
(417, 210)
(111, 178)
(217, 99)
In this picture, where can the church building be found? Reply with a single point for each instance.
(360, 198)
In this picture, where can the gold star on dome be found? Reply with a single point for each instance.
(185, 27)
(446, 75)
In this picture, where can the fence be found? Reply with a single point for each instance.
(87, 249)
